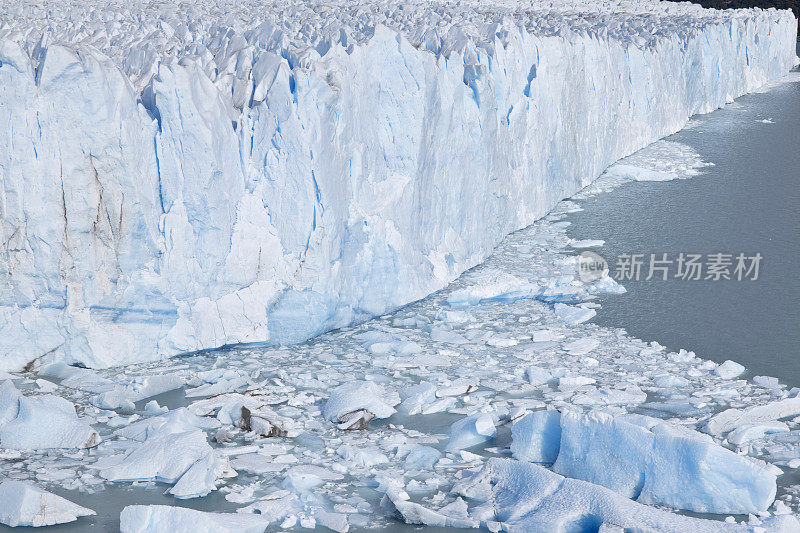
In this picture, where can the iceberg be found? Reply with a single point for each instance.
(646, 460)
(162, 518)
(525, 497)
(41, 422)
(175, 180)
(24, 504)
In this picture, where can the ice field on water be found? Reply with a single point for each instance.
(493, 403)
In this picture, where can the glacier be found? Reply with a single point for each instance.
(179, 179)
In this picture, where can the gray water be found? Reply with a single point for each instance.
(749, 201)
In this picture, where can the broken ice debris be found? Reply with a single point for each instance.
(164, 518)
(729, 370)
(471, 431)
(397, 504)
(645, 459)
(527, 498)
(24, 504)
(572, 314)
(185, 459)
(355, 404)
(731, 419)
(41, 422)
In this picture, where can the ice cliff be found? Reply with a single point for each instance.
(182, 177)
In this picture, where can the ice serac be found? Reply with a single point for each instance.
(524, 497)
(646, 459)
(180, 179)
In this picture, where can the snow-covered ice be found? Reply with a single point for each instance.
(41, 422)
(24, 504)
(264, 171)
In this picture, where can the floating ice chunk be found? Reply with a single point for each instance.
(630, 395)
(525, 497)
(357, 395)
(768, 382)
(568, 383)
(748, 432)
(731, 419)
(138, 388)
(421, 458)
(581, 346)
(729, 370)
(255, 463)
(363, 456)
(471, 431)
(414, 513)
(41, 422)
(416, 397)
(660, 465)
(25, 504)
(163, 518)
(305, 477)
(162, 457)
(537, 376)
(177, 421)
(493, 285)
(573, 315)
(152, 408)
(266, 422)
(201, 478)
(669, 381)
(587, 243)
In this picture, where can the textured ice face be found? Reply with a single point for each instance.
(181, 179)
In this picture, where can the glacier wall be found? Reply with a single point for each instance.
(177, 181)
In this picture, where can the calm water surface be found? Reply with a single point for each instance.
(749, 201)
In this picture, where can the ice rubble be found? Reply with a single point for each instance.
(41, 422)
(646, 460)
(163, 518)
(24, 504)
(178, 179)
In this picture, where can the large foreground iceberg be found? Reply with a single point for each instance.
(645, 459)
(174, 179)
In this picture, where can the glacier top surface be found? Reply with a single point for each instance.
(138, 34)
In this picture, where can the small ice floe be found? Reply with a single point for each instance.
(41, 422)
(419, 457)
(587, 243)
(354, 404)
(729, 370)
(416, 397)
(645, 459)
(289, 510)
(471, 431)
(572, 314)
(537, 376)
(730, 419)
(185, 459)
(25, 504)
(110, 394)
(397, 504)
(492, 285)
(218, 381)
(519, 497)
(164, 518)
(581, 346)
(748, 432)
(176, 421)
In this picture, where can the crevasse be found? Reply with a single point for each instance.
(178, 180)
